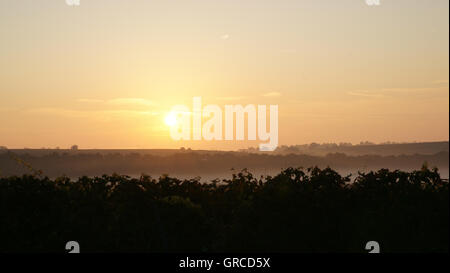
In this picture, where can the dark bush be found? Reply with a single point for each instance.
(312, 210)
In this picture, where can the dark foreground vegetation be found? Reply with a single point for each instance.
(313, 210)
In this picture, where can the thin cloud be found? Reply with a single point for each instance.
(128, 101)
(90, 113)
(365, 94)
(388, 92)
(120, 101)
(440, 82)
(231, 98)
(7, 109)
(90, 100)
(412, 90)
(61, 112)
(272, 94)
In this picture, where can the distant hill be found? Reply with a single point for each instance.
(386, 149)
(219, 164)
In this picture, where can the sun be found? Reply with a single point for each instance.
(171, 119)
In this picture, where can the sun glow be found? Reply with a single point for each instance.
(171, 119)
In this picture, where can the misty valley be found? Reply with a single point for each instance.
(209, 165)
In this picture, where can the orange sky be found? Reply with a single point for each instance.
(106, 73)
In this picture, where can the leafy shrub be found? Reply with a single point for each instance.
(298, 210)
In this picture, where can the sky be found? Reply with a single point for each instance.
(106, 73)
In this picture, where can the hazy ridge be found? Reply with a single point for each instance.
(220, 164)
